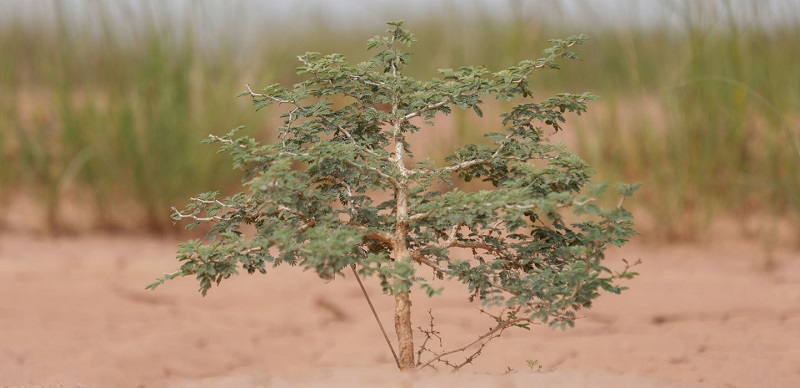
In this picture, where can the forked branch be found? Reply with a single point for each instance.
(481, 341)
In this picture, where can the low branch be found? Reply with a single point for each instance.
(483, 340)
(429, 334)
(420, 258)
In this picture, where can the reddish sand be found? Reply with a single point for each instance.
(74, 312)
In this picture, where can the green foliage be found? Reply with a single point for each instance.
(338, 188)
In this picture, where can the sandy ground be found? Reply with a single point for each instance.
(74, 312)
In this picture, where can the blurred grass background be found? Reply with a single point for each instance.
(103, 106)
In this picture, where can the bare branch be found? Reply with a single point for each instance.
(495, 332)
(194, 216)
(429, 333)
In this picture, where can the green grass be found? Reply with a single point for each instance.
(704, 115)
(723, 139)
(117, 120)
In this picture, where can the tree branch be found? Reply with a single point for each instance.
(540, 66)
(194, 217)
(225, 140)
(385, 238)
(368, 150)
(424, 109)
(210, 202)
(419, 257)
(476, 245)
(380, 173)
(483, 340)
(267, 96)
(451, 237)
(419, 216)
(366, 82)
(463, 165)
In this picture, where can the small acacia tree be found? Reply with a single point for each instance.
(317, 197)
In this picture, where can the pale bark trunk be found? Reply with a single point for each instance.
(405, 334)
(402, 309)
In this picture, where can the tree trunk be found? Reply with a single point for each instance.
(405, 334)
(402, 300)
